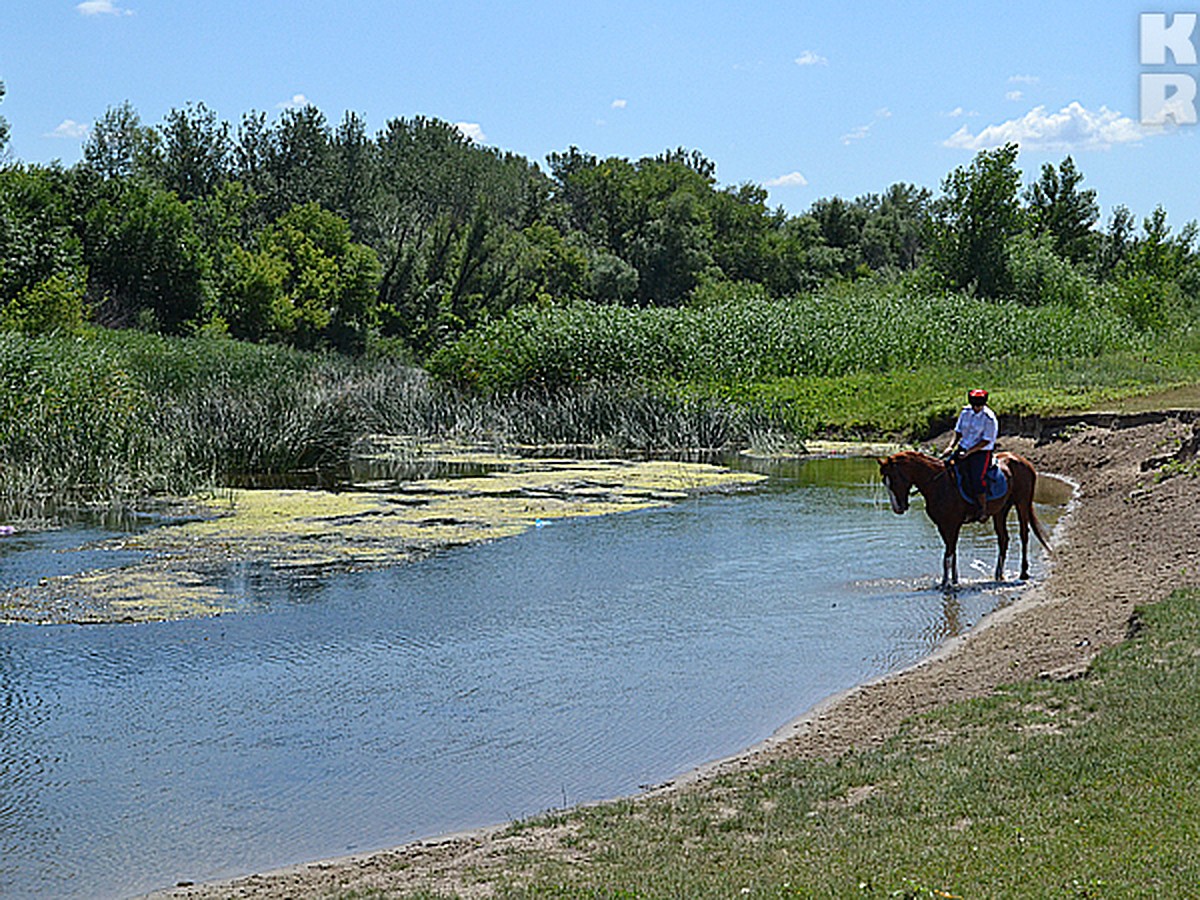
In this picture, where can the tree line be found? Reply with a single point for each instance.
(324, 236)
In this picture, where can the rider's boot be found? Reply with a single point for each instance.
(981, 503)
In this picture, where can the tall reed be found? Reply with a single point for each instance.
(834, 333)
(111, 417)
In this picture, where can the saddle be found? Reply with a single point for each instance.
(994, 479)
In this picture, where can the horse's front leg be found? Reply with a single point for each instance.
(950, 569)
(950, 557)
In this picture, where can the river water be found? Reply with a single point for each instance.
(579, 661)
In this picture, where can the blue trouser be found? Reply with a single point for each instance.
(975, 469)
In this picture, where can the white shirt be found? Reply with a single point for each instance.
(977, 429)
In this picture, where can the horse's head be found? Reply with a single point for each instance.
(898, 484)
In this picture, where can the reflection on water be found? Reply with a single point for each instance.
(576, 662)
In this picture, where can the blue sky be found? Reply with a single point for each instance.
(810, 99)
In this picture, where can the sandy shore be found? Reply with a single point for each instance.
(1129, 540)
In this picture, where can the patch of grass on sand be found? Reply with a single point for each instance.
(1085, 788)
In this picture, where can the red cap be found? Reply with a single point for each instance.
(977, 394)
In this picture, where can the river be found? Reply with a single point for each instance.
(581, 660)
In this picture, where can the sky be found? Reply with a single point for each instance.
(809, 99)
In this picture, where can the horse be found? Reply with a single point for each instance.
(903, 471)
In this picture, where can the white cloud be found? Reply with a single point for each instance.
(296, 101)
(811, 58)
(860, 132)
(791, 179)
(620, 103)
(1014, 95)
(70, 129)
(1023, 79)
(101, 8)
(472, 131)
(857, 133)
(958, 112)
(1071, 128)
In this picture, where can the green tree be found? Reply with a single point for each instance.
(300, 160)
(328, 285)
(1115, 242)
(1158, 276)
(353, 177)
(4, 132)
(253, 150)
(896, 231)
(250, 303)
(427, 191)
(742, 232)
(195, 152)
(977, 214)
(653, 214)
(1057, 207)
(1159, 255)
(442, 216)
(841, 225)
(120, 146)
(42, 275)
(146, 264)
(668, 236)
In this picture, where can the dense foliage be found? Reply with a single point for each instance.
(300, 232)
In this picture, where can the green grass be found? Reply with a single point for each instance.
(918, 401)
(1089, 788)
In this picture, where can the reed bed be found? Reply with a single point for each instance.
(830, 334)
(110, 418)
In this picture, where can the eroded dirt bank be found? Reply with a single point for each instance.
(1129, 541)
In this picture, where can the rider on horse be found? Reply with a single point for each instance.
(974, 441)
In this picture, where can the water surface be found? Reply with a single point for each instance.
(579, 661)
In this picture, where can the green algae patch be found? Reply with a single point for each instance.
(153, 593)
(373, 525)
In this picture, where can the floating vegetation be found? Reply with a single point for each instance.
(372, 525)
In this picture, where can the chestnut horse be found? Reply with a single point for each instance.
(944, 504)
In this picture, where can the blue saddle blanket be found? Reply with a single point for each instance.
(995, 479)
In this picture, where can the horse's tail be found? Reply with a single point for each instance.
(1033, 519)
(1038, 529)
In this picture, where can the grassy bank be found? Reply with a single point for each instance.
(919, 400)
(1085, 788)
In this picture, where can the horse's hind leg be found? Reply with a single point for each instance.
(1000, 521)
(1024, 512)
